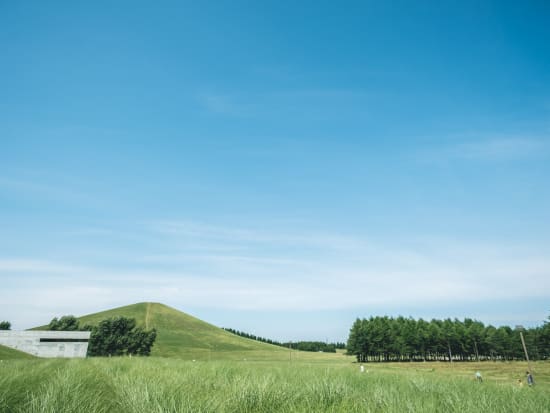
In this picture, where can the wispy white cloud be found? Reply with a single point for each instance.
(319, 102)
(265, 268)
(250, 235)
(329, 290)
(225, 105)
(503, 148)
(334, 277)
(221, 259)
(57, 189)
(488, 148)
(26, 186)
(36, 266)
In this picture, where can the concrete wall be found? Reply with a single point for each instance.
(47, 343)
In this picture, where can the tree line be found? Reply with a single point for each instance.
(115, 336)
(406, 339)
(315, 346)
(252, 336)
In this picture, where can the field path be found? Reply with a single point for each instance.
(147, 312)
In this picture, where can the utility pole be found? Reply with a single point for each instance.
(520, 328)
(525, 349)
(290, 351)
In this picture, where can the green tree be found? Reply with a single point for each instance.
(65, 323)
(423, 338)
(5, 325)
(474, 337)
(118, 336)
(543, 342)
(397, 339)
(355, 340)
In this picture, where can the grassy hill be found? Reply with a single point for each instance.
(183, 336)
(7, 353)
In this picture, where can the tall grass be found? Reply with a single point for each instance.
(165, 385)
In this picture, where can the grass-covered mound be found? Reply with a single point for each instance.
(183, 336)
(7, 353)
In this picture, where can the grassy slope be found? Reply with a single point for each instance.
(7, 353)
(183, 336)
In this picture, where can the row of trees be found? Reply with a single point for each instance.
(114, 336)
(253, 337)
(406, 339)
(297, 345)
(5, 325)
(312, 346)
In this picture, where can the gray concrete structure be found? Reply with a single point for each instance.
(47, 343)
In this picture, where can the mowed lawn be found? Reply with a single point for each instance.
(302, 383)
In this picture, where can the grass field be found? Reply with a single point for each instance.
(197, 367)
(324, 383)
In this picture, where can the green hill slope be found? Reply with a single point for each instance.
(183, 336)
(7, 353)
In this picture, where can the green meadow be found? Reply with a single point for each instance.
(324, 385)
(197, 367)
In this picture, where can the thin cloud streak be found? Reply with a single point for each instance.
(36, 266)
(62, 192)
(373, 276)
(252, 269)
(487, 148)
(307, 101)
(500, 149)
(225, 105)
(325, 293)
(220, 233)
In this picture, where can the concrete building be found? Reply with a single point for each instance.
(47, 343)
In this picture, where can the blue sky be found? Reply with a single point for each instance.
(275, 167)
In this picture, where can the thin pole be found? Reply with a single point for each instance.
(525, 351)
(290, 351)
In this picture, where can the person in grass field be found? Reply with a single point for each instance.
(478, 377)
(530, 380)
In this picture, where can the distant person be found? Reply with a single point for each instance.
(530, 380)
(362, 369)
(478, 377)
(520, 383)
